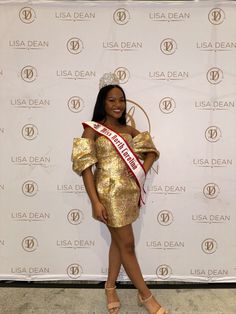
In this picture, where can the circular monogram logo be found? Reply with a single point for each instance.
(29, 74)
(74, 271)
(163, 271)
(165, 217)
(215, 76)
(75, 216)
(213, 134)
(121, 16)
(136, 113)
(122, 74)
(211, 190)
(216, 16)
(75, 104)
(29, 131)
(167, 105)
(29, 244)
(27, 15)
(209, 246)
(30, 188)
(75, 45)
(168, 46)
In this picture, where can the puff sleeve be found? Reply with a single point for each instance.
(83, 154)
(142, 144)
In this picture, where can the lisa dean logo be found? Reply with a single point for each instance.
(74, 271)
(122, 74)
(29, 74)
(216, 16)
(215, 76)
(30, 188)
(29, 131)
(28, 44)
(136, 113)
(173, 16)
(75, 104)
(29, 244)
(168, 46)
(209, 246)
(167, 105)
(121, 16)
(27, 15)
(75, 216)
(165, 217)
(213, 134)
(75, 16)
(75, 45)
(211, 190)
(163, 271)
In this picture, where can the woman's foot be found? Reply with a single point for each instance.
(113, 302)
(151, 305)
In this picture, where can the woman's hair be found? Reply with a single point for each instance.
(99, 113)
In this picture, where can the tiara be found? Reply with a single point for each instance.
(108, 79)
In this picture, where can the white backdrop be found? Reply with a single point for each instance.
(177, 63)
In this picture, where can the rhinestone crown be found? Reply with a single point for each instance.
(108, 79)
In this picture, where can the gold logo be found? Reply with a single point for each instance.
(29, 74)
(27, 15)
(163, 271)
(168, 46)
(29, 244)
(75, 104)
(209, 246)
(213, 134)
(216, 16)
(167, 105)
(122, 74)
(74, 271)
(165, 217)
(29, 131)
(29, 188)
(215, 76)
(136, 113)
(75, 216)
(121, 16)
(211, 190)
(75, 45)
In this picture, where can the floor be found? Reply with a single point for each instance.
(21, 300)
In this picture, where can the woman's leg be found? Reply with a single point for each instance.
(124, 239)
(114, 264)
(113, 272)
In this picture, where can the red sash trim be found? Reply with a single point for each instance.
(125, 151)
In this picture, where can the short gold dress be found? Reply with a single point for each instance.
(116, 186)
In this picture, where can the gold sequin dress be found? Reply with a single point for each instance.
(116, 187)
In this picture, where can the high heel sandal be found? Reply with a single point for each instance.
(145, 302)
(115, 306)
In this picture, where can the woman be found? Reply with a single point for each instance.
(114, 189)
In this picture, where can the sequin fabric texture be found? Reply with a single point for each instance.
(116, 187)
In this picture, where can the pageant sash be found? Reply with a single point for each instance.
(125, 151)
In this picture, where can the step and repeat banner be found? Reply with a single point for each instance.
(177, 64)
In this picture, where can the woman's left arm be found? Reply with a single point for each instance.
(148, 161)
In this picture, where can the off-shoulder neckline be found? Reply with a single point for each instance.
(120, 133)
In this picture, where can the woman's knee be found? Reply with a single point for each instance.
(128, 246)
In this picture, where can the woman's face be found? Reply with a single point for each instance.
(114, 103)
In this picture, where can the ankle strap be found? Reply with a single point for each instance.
(110, 288)
(147, 299)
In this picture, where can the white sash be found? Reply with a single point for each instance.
(124, 151)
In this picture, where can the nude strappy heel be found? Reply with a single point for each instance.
(115, 306)
(145, 302)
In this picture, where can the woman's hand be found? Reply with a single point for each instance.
(99, 212)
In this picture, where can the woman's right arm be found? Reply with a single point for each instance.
(99, 211)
